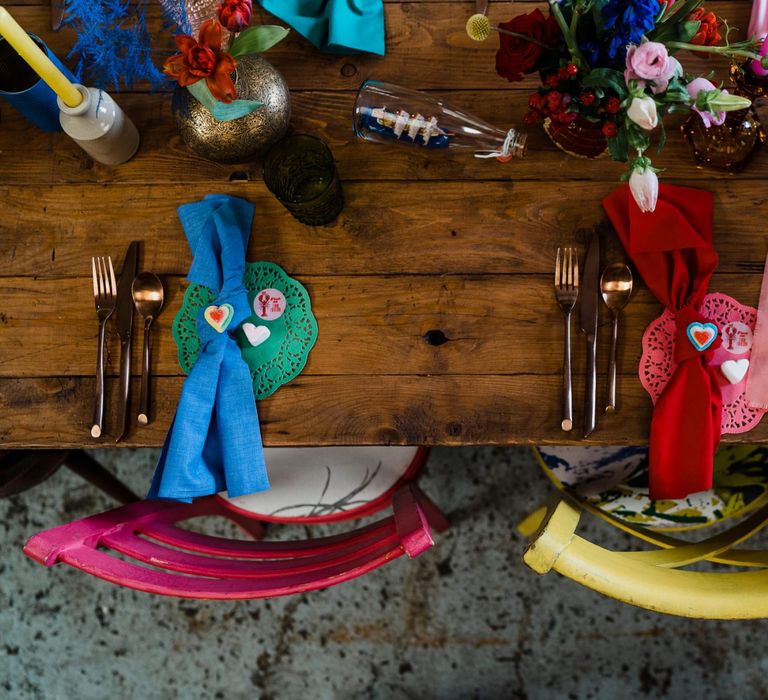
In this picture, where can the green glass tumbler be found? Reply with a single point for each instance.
(300, 171)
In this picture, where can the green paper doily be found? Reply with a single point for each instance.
(278, 359)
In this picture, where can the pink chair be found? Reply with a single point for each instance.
(141, 546)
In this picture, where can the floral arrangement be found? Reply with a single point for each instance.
(613, 63)
(205, 65)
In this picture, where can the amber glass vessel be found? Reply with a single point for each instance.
(747, 83)
(581, 137)
(731, 145)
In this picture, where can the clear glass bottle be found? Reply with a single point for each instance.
(387, 113)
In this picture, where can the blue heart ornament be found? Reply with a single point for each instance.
(701, 335)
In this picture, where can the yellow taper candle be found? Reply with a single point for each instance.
(38, 61)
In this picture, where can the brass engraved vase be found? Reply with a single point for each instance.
(248, 137)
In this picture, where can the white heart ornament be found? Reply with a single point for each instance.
(734, 370)
(256, 334)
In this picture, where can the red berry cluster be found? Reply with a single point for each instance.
(562, 100)
(554, 104)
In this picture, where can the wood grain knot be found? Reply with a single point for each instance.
(348, 70)
(435, 337)
(455, 429)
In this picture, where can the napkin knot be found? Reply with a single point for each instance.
(695, 336)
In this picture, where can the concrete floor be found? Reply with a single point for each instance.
(465, 620)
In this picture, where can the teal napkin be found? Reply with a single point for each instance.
(335, 26)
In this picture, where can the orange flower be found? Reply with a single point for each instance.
(707, 34)
(203, 59)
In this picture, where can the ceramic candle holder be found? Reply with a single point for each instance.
(100, 127)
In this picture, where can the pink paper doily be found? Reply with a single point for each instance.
(656, 365)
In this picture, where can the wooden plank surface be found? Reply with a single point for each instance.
(163, 157)
(427, 242)
(446, 410)
(499, 324)
(421, 228)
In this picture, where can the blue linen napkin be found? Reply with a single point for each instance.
(214, 443)
(334, 26)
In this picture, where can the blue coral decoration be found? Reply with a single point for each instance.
(113, 43)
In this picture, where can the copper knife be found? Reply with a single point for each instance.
(589, 318)
(125, 308)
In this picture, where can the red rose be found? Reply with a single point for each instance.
(517, 56)
(707, 34)
(203, 60)
(236, 15)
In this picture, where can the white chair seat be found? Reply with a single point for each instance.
(318, 482)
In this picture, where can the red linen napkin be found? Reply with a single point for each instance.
(672, 250)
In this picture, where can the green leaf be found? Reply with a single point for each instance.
(671, 27)
(682, 8)
(675, 92)
(597, 14)
(606, 78)
(221, 111)
(618, 146)
(687, 30)
(638, 138)
(662, 136)
(257, 39)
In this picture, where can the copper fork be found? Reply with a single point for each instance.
(105, 295)
(566, 293)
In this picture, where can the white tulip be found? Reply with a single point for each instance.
(644, 186)
(642, 111)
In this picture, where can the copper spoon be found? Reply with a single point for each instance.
(616, 288)
(148, 298)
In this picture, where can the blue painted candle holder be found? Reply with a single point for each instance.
(23, 88)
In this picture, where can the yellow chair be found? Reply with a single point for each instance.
(654, 579)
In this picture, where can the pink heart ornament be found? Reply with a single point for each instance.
(219, 317)
(256, 334)
(734, 370)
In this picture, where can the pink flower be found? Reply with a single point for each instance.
(644, 185)
(758, 29)
(694, 88)
(650, 61)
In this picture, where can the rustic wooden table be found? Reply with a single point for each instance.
(433, 290)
